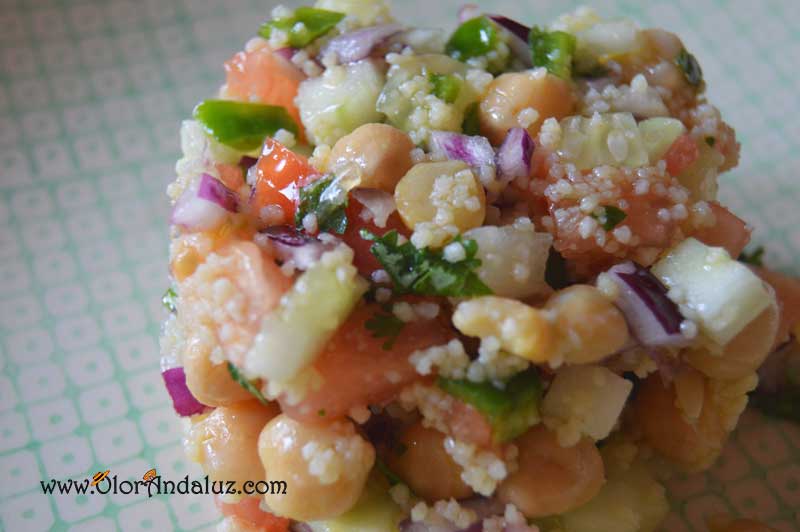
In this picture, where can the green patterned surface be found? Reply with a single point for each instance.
(91, 95)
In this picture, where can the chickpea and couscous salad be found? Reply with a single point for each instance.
(476, 281)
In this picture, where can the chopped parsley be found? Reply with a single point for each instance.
(246, 384)
(755, 257)
(325, 199)
(170, 300)
(609, 216)
(553, 50)
(425, 271)
(710, 141)
(445, 87)
(305, 25)
(690, 67)
(321, 412)
(385, 326)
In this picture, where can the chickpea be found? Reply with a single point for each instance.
(510, 93)
(228, 441)
(210, 383)
(552, 479)
(426, 467)
(521, 329)
(381, 151)
(325, 467)
(446, 195)
(744, 354)
(693, 446)
(590, 326)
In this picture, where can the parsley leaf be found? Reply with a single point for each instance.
(169, 300)
(711, 141)
(755, 257)
(690, 67)
(246, 384)
(385, 326)
(325, 199)
(609, 216)
(425, 271)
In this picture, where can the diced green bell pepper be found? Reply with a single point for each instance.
(240, 125)
(553, 50)
(475, 37)
(305, 25)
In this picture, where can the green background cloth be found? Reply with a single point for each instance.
(92, 93)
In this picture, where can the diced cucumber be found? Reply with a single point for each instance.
(343, 98)
(375, 511)
(294, 334)
(591, 396)
(701, 176)
(615, 139)
(513, 258)
(719, 293)
(658, 134)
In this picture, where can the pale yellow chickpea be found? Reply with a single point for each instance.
(325, 467)
(744, 354)
(508, 94)
(521, 329)
(590, 326)
(426, 467)
(445, 195)
(552, 479)
(227, 441)
(211, 384)
(664, 427)
(382, 152)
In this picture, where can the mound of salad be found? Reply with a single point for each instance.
(469, 281)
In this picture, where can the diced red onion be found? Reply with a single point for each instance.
(475, 151)
(379, 204)
(654, 319)
(286, 53)
(468, 12)
(183, 401)
(517, 38)
(204, 204)
(289, 244)
(514, 155)
(356, 45)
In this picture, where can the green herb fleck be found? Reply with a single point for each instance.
(590, 71)
(553, 50)
(321, 412)
(385, 326)
(325, 199)
(246, 384)
(445, 86)
(471, 124)
(304, 26)
(390, 475)
(555, 272)
(711, 141)
(425, 271)
(755, 257)
(690, 67)
(475, 37)
(511, 410)
(240, 125)
(609, 216)
(170, 300)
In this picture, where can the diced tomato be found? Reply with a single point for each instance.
(248, 510)
(280, 173)
(729, 231)
(356, 370)
(364, 260)
(231, 175)
(681, 154)
(265, 77)
(787, 292)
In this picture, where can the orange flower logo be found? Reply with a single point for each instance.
(149, 475)
(99, 477)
